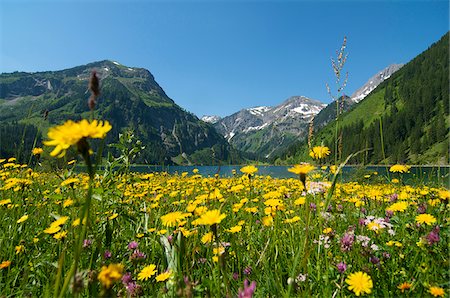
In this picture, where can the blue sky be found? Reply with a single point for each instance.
(217, 57)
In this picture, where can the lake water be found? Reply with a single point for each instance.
(417, 174)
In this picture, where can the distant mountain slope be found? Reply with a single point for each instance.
(263, 131)
(409, 112)
(328, 114)
(130, 99)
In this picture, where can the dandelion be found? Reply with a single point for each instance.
(301, 169)
(147, 272)
(37, 151)
(19, 249)
(163, 276)
(60, 235)
(173, 219)
(111, 274)
(399, 168)
(5, 264)
(319, 152)
(209, 218)
(71, 133)
(398, 207)
(436, 291)
(235, 229)
(404, 286)
(249, 170)
(425, 219)
(22, 219)
(359, 283)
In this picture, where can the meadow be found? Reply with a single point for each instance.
(118, 233)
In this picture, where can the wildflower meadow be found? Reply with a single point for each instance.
(89, 231)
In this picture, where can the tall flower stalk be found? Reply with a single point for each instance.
(341, 81)
(62, 138)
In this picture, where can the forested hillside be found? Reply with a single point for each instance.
(407, 116)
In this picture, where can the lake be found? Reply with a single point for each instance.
(417, 174)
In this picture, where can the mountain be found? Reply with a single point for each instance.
(328, 113)
(374, 81)
(263, 131)
(405, 119)
(211, 119)
(130, 99)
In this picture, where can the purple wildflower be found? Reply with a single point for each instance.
(347, 241)
(433, 236)
(126, 278)
(312, 206)
(339, 208)
(107, 254)
(389, 213)
(87, 243)
(248, 290)
(248, 270)
(341, 267)
(137, 255)
(393, 197)
(374, 260)
(386, 255)
(132, 245)
(235, 275)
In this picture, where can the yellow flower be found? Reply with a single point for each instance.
(359, 283)
(70, 133)
(235, 229)
(404, 286)
(70, 181)
(60, 221)
(60, 235)
(399, 168)
(113, 216)
(292, 220)
(399, 206)
(37, 151)
(249, 169)
(209, 218)
(19, 249)
(425, 219)
(267, 221)
(436, 291)
(301, 169)
(319, 152)
(22, 219)
(207, 238)
(67, 203)
(5, 202)
(300, 201)
(173, 219)
(111, 274)
(5, 264)
(327, 230)
(147, 272)
(163, 276)
(52, 229)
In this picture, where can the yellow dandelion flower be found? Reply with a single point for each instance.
(52, 230)
(173, 219)
(404, 286)
(207, 238)
(425, 219)
(70, 133)
(301, 169)
(60, 235)
(327, 230)
(5, 202)
(249, 170)
(113, 216)
(22, 219)
(235, 229)
(267, 221)
(359, 283)
(60, 221)
(163, 276)
(436, 291)
(111, 274)
(37, 151)
(300, 201)
(5, 264)
(209, 218)
(319, 152)
(69, 181)
(147, 272)
(67, 203)
(292, 220)
(399, 168)
(398, 206)
(19, 249)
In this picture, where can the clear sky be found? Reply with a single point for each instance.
(217, 57)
